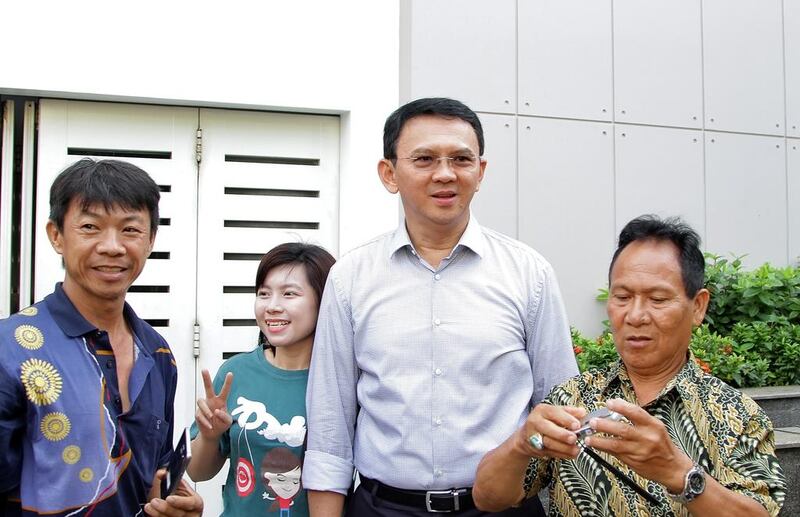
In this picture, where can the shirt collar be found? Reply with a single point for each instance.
(685, 381)
(472, 238)
(72, 322)
(66, 315)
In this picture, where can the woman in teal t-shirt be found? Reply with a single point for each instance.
(254, 413)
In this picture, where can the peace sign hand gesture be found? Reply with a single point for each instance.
(212, 414)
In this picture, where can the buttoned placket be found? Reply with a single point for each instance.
(101, 347)
(439, 403)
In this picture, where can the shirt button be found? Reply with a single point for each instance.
(438, 473)
(437, 322)
(437, 276)
(118, 401)
(437, 422)
(437, 372)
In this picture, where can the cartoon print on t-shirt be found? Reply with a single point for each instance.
(292, 434)
(280, 472)
(280, 467)
(245, 477)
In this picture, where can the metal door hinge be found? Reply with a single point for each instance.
(198, 146)
(196, 341)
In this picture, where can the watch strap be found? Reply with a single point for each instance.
(689, 490)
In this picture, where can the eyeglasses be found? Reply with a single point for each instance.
(426, 163)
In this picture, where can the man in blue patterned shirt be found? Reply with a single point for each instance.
(86, 386)
(687, 442)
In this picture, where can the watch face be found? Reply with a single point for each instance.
(696, 482)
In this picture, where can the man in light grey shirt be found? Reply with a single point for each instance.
(433, 341)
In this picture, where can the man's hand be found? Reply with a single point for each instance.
(498, 480)
(643, 444)
(184, 502)
(557, 426)
(212, 416)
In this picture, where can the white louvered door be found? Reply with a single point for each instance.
(160, 140)
(264, 178)
(264, 181)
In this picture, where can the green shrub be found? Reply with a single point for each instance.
(736, 363)
(767, 294)
(593, 353)
(776, 342)
(754, 354)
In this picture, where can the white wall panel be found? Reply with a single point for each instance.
(791, 27)
(658, 62)
(743, 58)
(565, 58)
(566, 210)
(495, 205)
(794, 200)
(660, 171)
(449, 55)
(746, 197)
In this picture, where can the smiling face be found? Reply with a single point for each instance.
(286, 307)
(103, 250)
(284, 484)
(650, 313)
(437, 199)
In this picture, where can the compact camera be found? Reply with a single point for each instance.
(585, 430)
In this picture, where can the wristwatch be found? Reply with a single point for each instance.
(693, 486)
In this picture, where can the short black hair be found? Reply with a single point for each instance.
(104, 182)
(676, 231)
(437, 106)
(317, 262)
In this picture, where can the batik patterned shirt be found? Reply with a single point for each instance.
(720, 428)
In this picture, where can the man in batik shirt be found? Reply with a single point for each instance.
(685, 443)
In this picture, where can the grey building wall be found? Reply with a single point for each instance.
(597, 111)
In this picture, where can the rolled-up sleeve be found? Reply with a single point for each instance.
(548, 343)
(331, 403)
(12, 429)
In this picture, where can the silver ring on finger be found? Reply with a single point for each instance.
(536, 441)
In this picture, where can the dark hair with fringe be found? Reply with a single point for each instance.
(676, 231)
(108, 183)
(437, 106)
(316, 260)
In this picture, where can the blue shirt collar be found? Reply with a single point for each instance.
(72, 322)
(472, 238)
